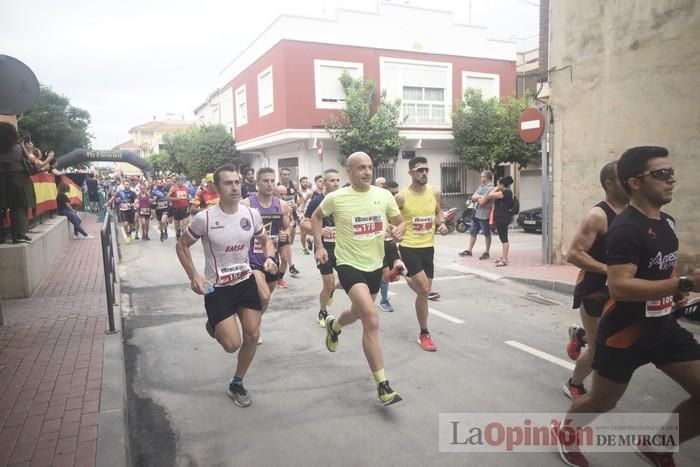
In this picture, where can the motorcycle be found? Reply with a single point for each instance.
(464, 222)
(449, 216)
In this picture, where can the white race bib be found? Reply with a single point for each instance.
(181, 195)
(162, 204)
(145, 211)
(124, 206)
(367, 227)
(329, 234)
(422, 225)
(229, 275)
(658, 308)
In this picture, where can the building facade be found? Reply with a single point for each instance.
(621, 75)
(278, 95)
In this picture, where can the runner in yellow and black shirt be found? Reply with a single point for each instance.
(637, 326)
(420, 207)
(360, 212)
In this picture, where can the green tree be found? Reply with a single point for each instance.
(55, 124)
(362, 126)
(162, 162)
(486, 132)
(200, 150)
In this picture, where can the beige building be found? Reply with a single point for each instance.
(623, 74)
(124, 168)
(148, 137)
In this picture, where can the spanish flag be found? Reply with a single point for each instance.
(45, 191)
(75, 194)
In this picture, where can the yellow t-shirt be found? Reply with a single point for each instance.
(419, 213)
(360, 222)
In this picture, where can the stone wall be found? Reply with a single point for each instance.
(623, 74)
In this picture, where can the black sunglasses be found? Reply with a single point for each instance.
(422, 170)
(661, 174)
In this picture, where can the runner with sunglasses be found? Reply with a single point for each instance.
(638, 326)
(420, 207)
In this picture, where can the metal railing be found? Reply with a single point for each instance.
(456, 179)
(109, 269)
(386, 170)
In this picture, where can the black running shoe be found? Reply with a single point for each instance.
(293, 271)
(331, 335)
(239, 395)
(177, 234)
(387, 396)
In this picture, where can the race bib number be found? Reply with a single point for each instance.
(161, 204)
(229, 275)
(145, 211)
(257, 246)
(658, 308)
(329, 234)
(422, 225)
(181, 195)
(124, 206)
(367, 227)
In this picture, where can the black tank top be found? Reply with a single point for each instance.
(589, 282)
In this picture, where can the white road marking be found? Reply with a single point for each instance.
(542, 355)
(445, 316)
(443, 278)
(476, 272)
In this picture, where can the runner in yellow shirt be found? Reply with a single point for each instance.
(420, 207)
(360, 212)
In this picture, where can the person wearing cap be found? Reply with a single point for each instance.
(206, 196)
(502, 214)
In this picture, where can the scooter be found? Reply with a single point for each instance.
(464, 222)
(449, 216)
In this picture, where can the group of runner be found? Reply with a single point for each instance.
(245, 242)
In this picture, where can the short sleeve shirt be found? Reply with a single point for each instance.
(226, 239)
(484, 212)
(360, 223)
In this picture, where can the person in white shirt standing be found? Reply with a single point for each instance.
(228, 284)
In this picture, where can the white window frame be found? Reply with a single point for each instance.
(241, 119)
(448, 87)
(320, 104)
(271, 108)
(475, 74)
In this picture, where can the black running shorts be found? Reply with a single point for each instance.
(666, 343)
(226, 301)
(349, 276)
(269, 278)
(180, 213)
(594, 303)
(162, 212)
(391, 254)
(417, 260)
(127, 216)
(327, 268)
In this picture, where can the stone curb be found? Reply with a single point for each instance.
(547, 284)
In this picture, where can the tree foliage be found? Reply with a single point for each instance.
(486, 132)
(360, 127)
(197, 151)
(55, 124)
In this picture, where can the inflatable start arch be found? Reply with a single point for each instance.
(78, 156)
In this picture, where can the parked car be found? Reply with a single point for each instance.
(531, 220)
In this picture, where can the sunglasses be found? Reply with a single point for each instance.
(422, 170)
(661, 174)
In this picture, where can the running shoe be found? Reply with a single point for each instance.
(659, 459)
(178, 233)
(387, 396)
(128, 239)
(465, 253)
(434, 296)
(569, 452)
(329, 302)
(385, 306)
(239, 395)
(322, 315)
(162, 236)
(136, 237)
(309, 245)
(210, 329)
(426, 343)
(260, 339)
(293, 271)
(395, 272)
(574, 391)
(331, 335)
(165, 235)
(306, 252)
(282, 284)
(573, 348)
(484, 255)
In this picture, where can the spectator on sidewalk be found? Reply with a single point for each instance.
(480, 221)
(65, 209)
(16, 188)
(502, 214)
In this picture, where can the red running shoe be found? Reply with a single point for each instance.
(659, 459)
(282, 284)
(573, 391)
(573, 348)
(569, 452)
(395, 273)
(426, 343)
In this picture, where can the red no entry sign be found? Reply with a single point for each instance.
(531, 125)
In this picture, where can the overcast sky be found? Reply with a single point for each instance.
(125, 61)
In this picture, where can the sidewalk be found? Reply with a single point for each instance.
(51, 358)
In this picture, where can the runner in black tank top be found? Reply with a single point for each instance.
(591, 293)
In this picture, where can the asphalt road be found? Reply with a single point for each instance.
(311, 407)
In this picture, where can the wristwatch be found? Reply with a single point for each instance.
(274, 260)
(685, 284)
